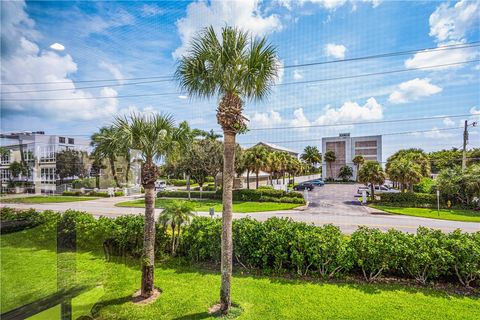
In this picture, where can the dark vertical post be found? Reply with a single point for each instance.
(66, 262)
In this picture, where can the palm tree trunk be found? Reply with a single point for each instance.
(256, 175)
(188, 186)
(127, 158)
(372, 195)
(114, 171)
(248, 179)
(227, 245)
(148, 180)
(173, 238)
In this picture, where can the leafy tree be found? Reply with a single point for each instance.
(294, 168)
(210, 135)
(236, 68)
(358, 160)
(330, 158)
(416, 155)
(405, 171)
(345, 173)
(444, 159)
(69, 164)
(176, 214)
(106, 145)
(17, 169)
(311, 155)
(371, 172)
(155, 137)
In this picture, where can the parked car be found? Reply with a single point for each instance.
(317, 182)
(378, 189)
(160, 185)
(304, 186)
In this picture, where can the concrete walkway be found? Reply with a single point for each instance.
(346, 218)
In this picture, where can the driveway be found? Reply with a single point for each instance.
(336, 199)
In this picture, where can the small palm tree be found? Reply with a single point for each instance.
(232, 66)
(345, 173)
(358, 160)
(330, 158)
(176, 214)
(106, 145)
(155, 137)
(406, 172)
(371, 172)
(259, 161)
(311, 155)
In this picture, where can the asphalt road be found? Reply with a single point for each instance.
(332, 203)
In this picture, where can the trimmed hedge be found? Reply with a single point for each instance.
(262, 195)
(91, 194)
(281, 245)
(179, 182)
(409, 199)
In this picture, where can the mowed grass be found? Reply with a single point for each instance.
(205, 205)
(28, 272)
(46, 199)
(444, 214)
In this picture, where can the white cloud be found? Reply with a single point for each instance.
(336, 51)
(25, 62)
(449, 26)
(297, 75)
(299, 120)
(413, 90)
(113, 69)
(265, 119)
(151, 10)
(352, 112)
(183, 97)
(433, 133)
(245, 14)
(57, 46)
(327, 4)
(281, 71)
(475, 111)
(448, 122)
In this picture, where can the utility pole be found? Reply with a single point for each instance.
(465, 142)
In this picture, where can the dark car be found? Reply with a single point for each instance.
(304, 186)
(317, 182)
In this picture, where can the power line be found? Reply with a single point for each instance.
(283, 84)
(383, 134)
(382, 55)
(360, 123)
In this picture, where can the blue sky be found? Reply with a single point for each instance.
(119, 40)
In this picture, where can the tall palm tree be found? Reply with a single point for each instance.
(330, 158)
(155, 137)
(176, 214)
(405, 171)
(106, 145)
(311, 155)
(272, 165)
(233, 66)
(258, 160)
(358, 160)
(371, 172)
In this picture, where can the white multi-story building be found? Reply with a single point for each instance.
(346, 148)
(39, 153)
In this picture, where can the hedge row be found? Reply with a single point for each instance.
(262, 195)
(91, 194)
(410, 199)
(281, 245)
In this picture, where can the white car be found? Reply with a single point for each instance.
(160, 185)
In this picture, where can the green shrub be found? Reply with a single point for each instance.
(184, 194)
(83, 183)
(72, 193)
(265, 188)
(409, 199)
(91, 194)
(201, 239)
(465, 251)
(179, 182)
(426, 185)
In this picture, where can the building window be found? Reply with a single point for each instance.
(61, 139)
(366, 144)
(5, 174)
(6, 158)
(48, 175)
(71, 141)
(366, 152)
(47, 154)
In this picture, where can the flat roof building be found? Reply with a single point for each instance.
(346, 148)
(274, 147)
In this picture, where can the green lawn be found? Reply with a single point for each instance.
(205, 205)
(46, 199)
(29, 272)
(445, 214)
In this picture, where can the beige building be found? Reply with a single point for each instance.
(346, 148)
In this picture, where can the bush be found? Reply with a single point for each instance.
(179, 182)
(91, 194)
(426, 185)
(465, 250)
(184, 194)
(409, 199)
(201, 239)
(265, 188)
(83, 183)
(72, 193)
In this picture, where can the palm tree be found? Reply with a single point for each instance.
(294, 168)
(233, 66)
(273, 165)
(176, 214)
(358, 160)
(371, 172)
(155, 137)
(258, 160)
(345, 173)
(406, 172)
(330, 158)
(106, 145)
(311, 155)
(210, 135)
